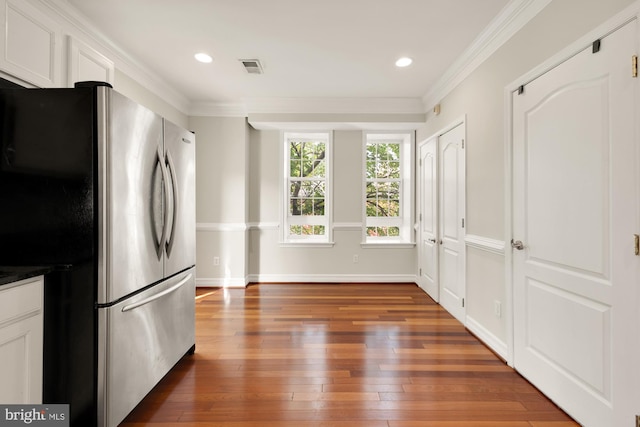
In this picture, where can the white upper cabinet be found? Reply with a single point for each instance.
(85, 63)
(32, 45)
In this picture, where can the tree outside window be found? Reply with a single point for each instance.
(306, 172)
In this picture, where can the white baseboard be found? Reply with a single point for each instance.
(333, 278)
(221, 282)
(492, 341)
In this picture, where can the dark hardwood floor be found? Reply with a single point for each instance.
(352, 355)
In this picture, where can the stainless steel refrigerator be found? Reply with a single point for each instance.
(103, 190)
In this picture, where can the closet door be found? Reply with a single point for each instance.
(452, 208)
(575, 212)
(428, 237)
(442, 209)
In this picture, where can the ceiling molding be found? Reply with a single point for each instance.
(78, 25)
(335, 105)
(217, 109)
(510, 20)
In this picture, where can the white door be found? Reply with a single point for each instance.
(575, 195)
(442, 209)
(428, 249)
(451, 214)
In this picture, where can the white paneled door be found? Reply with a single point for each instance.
(452, 208)
(575, 213)
(428, 250)
(442, 193)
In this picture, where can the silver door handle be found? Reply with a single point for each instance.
(432, 240)
(174, 183)
(156, 296)
(517, 244)
(165, 178)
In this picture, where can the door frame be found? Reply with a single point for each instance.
(462, 120)
(624, 17)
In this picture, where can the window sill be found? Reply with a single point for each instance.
(394, 245)
(307, 244)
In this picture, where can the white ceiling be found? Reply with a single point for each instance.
(309, 49)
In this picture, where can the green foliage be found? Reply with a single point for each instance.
(383, 231)
(307, 161)
(382, 192)
(306, 230)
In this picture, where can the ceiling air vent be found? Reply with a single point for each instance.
(253, 66)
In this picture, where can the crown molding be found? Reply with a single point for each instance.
(511, 19)
(78, 25)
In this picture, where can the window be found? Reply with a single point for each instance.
(388, 203)
(307, 188)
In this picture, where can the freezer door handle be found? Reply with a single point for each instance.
(157, 296)
(174, 184)
(165, 180)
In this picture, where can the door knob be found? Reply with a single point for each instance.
(432, 240)
(517, 244)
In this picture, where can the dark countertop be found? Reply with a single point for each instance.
(10, 274)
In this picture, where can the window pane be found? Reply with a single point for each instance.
(383, 231)
(295, 151)
(295, 168)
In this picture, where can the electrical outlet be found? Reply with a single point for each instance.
(497, 308)
(216, 260)
(356, 259)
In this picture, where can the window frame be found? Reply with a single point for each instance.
(287, 220)
(405, 221)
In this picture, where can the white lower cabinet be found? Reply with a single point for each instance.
(21, 340)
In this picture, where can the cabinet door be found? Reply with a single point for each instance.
(87, 64)
(21, 368)
(30, 48)
(21, 333)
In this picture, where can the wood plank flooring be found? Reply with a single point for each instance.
(351, 355)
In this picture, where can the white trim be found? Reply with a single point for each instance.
(489, 339)
(511, 19)
(347, 226)
(221, 226)
(263, 226)
(218, 109)
(387, 245)
(485, 244)
(335, 105)
(306, 244)
(222, 282)
(238, 226)
(333, 278)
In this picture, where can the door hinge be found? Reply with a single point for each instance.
(462, 302)
(521, 90)
(420, 162)
(636, 244)
(634, 66)
(420, 272)
(463, 144)
(420, 217)
(595, 47)
(462, 222)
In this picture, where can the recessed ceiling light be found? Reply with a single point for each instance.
(404, 62)
(203, 57)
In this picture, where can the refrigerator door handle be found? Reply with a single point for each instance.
(157, 296)
(176, 201)
(165, 179)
